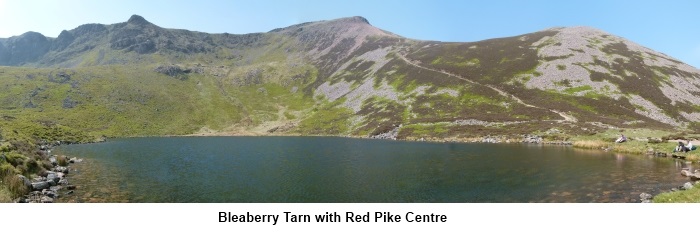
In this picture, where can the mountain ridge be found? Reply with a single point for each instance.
(347, 77)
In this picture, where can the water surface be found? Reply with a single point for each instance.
(330, 169)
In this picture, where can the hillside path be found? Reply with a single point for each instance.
(567, 118)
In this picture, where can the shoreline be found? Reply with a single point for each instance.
(523, 139)
(49, 186)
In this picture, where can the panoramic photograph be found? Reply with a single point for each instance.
(349, 102)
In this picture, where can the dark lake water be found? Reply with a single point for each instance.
(330, 169)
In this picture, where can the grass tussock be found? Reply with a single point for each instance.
(5, 195)
(62, 160)
(12, 186)
(591, 144)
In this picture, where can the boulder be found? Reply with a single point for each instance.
(52, 176)
(687, 186)
(685, 173)
(40, 185)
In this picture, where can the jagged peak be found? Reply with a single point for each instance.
(137, 20)
(64, 33)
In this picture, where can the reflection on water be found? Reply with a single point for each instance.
(328, 169)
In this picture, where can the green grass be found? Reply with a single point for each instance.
(331, 119)
(685, 196)
(574, 90)
(5, 194)
(607, 138)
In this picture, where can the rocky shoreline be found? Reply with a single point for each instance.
(536, 139)
(48, 186)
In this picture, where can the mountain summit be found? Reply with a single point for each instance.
(344, 77)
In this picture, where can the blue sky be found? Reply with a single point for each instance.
(671, 27)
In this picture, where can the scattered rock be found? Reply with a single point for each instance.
(60, 169)
(532, 139)
(46, 199)
(388, 135)
(63, 182)
(172, 70)
(49, 193)
(645, 196)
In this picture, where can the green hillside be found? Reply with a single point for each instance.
(340, 77)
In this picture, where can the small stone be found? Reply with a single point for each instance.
(46, 200)
(71, 187)
(645, 196)
(48, 193)
(63, 181)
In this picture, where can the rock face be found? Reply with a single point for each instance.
(388, 135)
(18, 50)
(172, 70)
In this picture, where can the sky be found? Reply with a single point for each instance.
(670, 27)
